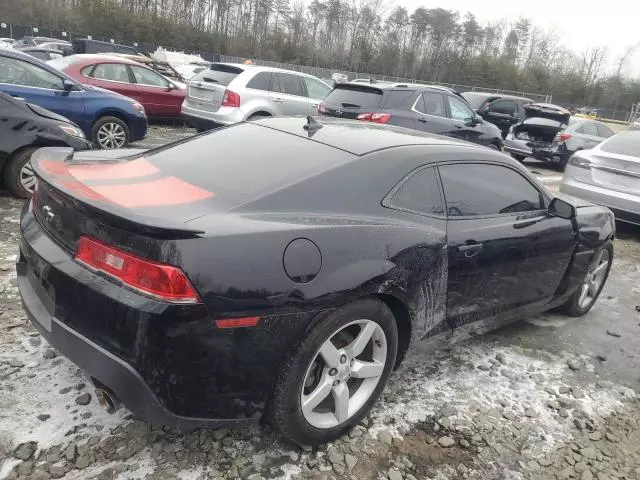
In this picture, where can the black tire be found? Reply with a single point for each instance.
(12, 172)
(285, 409)
(519, 158)
(572, 307)
(258, 116)
(118, 125)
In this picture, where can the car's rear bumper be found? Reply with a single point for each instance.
(222, 117)
(104, 367)
(625, 206)
(521, 147)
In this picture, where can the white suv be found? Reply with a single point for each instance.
(227, 93)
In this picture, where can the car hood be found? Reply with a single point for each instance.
(43, 112)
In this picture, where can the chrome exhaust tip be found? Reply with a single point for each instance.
(108, 400)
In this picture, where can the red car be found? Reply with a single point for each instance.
(160, 96)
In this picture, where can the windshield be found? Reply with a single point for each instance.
(219, 73)
(625, 143)
(63, 62)
(354, 97)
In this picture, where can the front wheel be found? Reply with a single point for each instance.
(18, 176)
(109, 133)
(336, 374)
(587, 293)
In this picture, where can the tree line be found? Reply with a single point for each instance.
(434, 44)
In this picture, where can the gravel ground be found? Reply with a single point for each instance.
(545, 398)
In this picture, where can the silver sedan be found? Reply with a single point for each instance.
(608, 175)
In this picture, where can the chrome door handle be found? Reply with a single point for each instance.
(470, 250)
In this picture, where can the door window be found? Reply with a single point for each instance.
(18, 72)
(482, 189)
(588, 129)
(316, 89)
(506, 107)
(459, 109)
(261, 81)
(286, 83)
(396, 99)
(145, 76)
(420, 193)
(604, 131)
(111, 72)
(431, 104)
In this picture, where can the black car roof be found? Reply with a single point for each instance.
(358, 138)
(497, 96)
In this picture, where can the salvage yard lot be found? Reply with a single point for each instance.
(548, 397)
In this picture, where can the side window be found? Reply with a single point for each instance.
(316, 89)
(420, 193)
(604, 131)
(482, 189)
(260, 82)
(431, 104)
(111, 72)
(18, 72)
(88, 71)
(588, 129)
(287, 83)
(459, 109)
(507, 107)
(145, 76)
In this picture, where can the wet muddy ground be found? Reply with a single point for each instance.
(544, 398)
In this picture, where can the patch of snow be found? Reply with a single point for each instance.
(7, 466)
(457, 382)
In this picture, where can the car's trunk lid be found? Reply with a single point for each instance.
(206, 89)
(615, 171)
(542, 123)
(349, 100)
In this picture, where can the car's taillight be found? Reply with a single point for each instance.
(164, 282)
(322, 108)
(562, 137)
(580, 162)
(374, 117)
(230, 99)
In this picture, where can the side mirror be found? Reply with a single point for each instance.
(475, 120)
(561, 209)
(170, 87)
(68, 85)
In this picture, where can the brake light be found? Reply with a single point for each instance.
(580, 162)
(374, 117)
(161, 281)
(322, 108)
(562, 137)
(230, 99)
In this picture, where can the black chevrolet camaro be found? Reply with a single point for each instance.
(282, 268)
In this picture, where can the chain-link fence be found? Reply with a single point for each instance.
(18, 31)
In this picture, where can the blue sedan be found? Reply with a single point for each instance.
(109, 119)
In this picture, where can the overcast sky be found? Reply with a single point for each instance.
(614, 23)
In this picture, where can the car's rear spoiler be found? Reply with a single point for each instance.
(358, 87)
(51, 165)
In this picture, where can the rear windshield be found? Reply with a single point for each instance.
(219, 74)
(354, 97)
(236, 171)
(625, 143)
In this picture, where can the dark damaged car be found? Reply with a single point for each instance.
(272, 281)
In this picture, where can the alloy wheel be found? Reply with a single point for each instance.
(594, 279)
(27, 177)
(111, 135)
(343, 374)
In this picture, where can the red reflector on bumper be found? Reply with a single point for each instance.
(237, 322)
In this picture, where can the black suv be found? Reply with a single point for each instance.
(501, 110)
(428, 109)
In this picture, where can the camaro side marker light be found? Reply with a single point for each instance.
(237, 322)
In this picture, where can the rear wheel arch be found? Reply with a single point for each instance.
(259, 114)
(403, 321)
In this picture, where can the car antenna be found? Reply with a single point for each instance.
(312, 124)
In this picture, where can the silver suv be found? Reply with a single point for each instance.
(227, 93)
